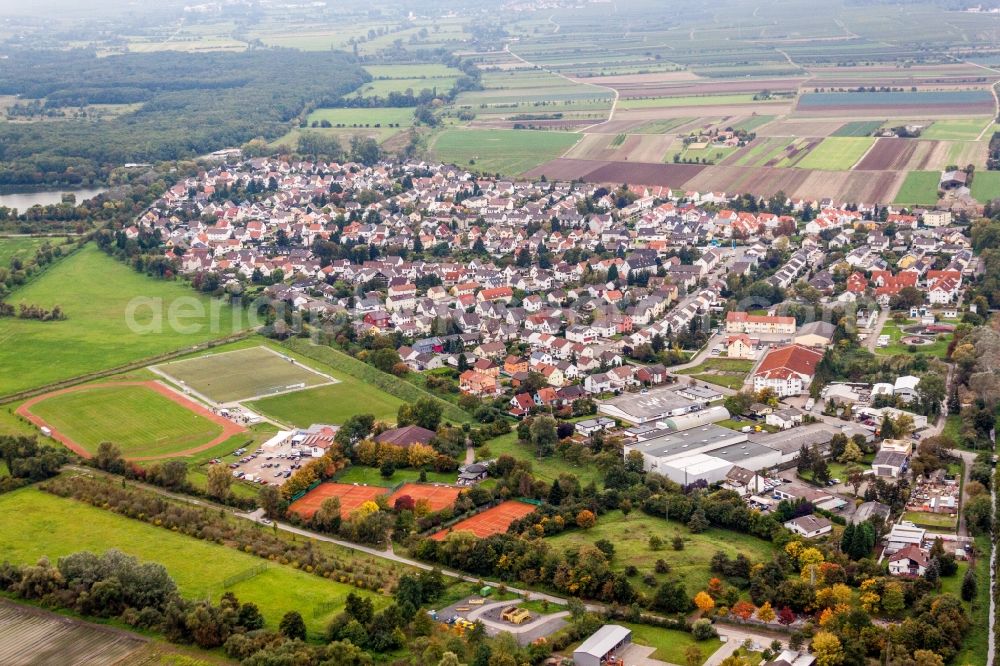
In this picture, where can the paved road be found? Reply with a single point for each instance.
(873, 336)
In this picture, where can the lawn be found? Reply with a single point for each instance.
(630, 536)
(548, 468)
(836, 153)
(727, 372)
(986, 185)
(330, 404)
(937, 348)
(509, 152)
(98, 295)
(958, 129)
(373, 477)
(139, 420)
(22, 248)
(920, 188)
(384, 117)
(670, 644)
(974, 647)
(934, 521)
(34, 524)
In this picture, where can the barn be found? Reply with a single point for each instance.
(608, 641)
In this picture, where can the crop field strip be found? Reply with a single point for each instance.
(34, 636)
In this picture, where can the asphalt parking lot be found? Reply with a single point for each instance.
(270, 466)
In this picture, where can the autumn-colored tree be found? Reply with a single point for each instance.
(827, 649)
(835, 595)
(704, 602)
(825, 617)
(422, 507)
(871, 600)
(715, 588)
(786, 616)
(743, 610)
(366, 509)
(585, 519)
(893, 601)
(765, 613)
(793, 548)
(419, 455)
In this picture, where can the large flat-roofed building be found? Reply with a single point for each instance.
(608, 641)
(703, 453)
(640, 408)
(790, 442)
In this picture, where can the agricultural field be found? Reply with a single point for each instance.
(29, 631)
(242, 374)
(630, 534)
(621, 147)
(920, 188)
(956, 102)
(693, 101)
(508, 152)
(858, 128)
(913, 154)
(956, 129)
(114, 316)
(143, 422)
(364, 118)
(986, 185)
(34, 524)
(836, 154)
(334, 403)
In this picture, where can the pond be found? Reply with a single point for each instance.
(24, 200)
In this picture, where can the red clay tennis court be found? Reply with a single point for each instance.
(351, 497)
(491, 521)
(440, 497)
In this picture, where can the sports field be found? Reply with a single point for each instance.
(508, 152)
(333, 403)
(491, 521)
(351, 497)
(111, 320)
(836, 153)
(242, 374)
(439, 497)
(144, 419)
(35, 524)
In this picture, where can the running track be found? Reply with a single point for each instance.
(229, 428)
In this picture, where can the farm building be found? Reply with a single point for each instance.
(608, 641)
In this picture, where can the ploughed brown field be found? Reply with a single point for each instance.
(671, 175)
(652, 85)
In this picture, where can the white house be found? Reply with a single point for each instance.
(810, 527)
(908, 561)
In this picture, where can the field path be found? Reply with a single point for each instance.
(229, 429)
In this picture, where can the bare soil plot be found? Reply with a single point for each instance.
(801, 127)
(33, 636)
(892, 154)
